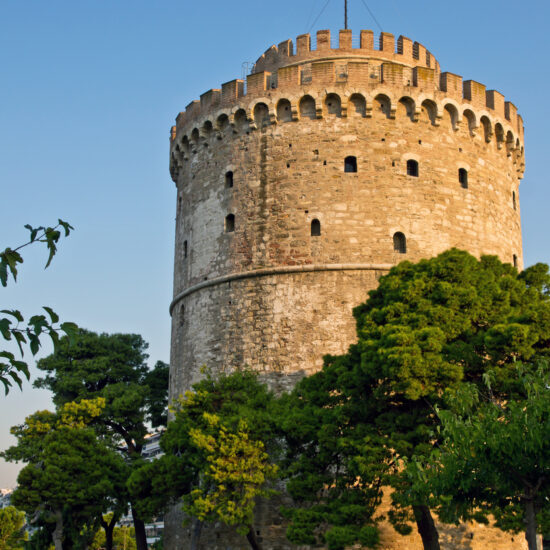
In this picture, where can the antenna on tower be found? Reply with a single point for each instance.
(345, 14)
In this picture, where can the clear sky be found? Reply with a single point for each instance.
(90, 88)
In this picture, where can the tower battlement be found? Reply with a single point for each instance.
(397, 69)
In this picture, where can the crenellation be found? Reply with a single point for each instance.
(323, 40)
(424, 78)
(286, 48)
(474, 92)
(210, 99)
(232, 91)
(387, 42)
(511, 114)
(345, 40)
(193, 109)
(367, 40)
(405, 47)
(451, 84)
(257, 83)
(495, 102)
(303, 44)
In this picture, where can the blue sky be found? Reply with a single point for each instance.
(89, 90)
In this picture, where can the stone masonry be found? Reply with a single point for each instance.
(298, 189)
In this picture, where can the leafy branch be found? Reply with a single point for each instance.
(12, 324)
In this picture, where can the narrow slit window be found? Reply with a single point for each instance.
(515, 259)
(230, 223)
(350, 164)
(412, 168)
(185, 249)
(463, 177)
(181, 315)
(229, 179)
(315, 228)
(514, 200)
(399, 243)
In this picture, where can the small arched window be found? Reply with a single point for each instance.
(463, 177)
(185, 249)
(229, 179)
(514, 200)
(400, 243)
(350, 164)
(515, 258)
(230, 223)
(412, 168)
(315, 228)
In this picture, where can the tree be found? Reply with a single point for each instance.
(217, 455)
(335, 490)
(12, 325)
(12, 528)
(113, 367)
(428, 327)
(70, 473)
(495, 455)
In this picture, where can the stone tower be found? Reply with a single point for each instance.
(298, 188)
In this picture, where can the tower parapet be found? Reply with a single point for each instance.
(406, 67)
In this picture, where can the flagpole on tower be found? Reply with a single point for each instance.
(345, 14)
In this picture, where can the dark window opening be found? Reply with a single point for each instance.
(181, 315)
(400, 243)
(229, 179)
(350, 164)
(412, 168)
(324, 163)
(515, 261)
(315, 228)
(463, 177)
(185, 249)
(288, 164)
(230, 223)
(514, 200)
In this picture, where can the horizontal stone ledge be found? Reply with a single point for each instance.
(277, 271)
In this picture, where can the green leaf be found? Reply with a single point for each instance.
(5, 329)
(53, 315)
(14, 313)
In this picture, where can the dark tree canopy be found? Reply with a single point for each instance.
(426, 328)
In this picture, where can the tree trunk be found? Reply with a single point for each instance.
(196, 529)
(109, 529)
(426, 527)
(57, 535)
(530, 524)
(139, 526)
(251, 537)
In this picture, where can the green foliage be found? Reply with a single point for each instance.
(113, 367)
(217, 453)
(12, 528)
(235, 472)
(425, 330)
(70, 474)
(495, 455)
(12, 325)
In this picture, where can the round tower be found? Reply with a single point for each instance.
(298, 188)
